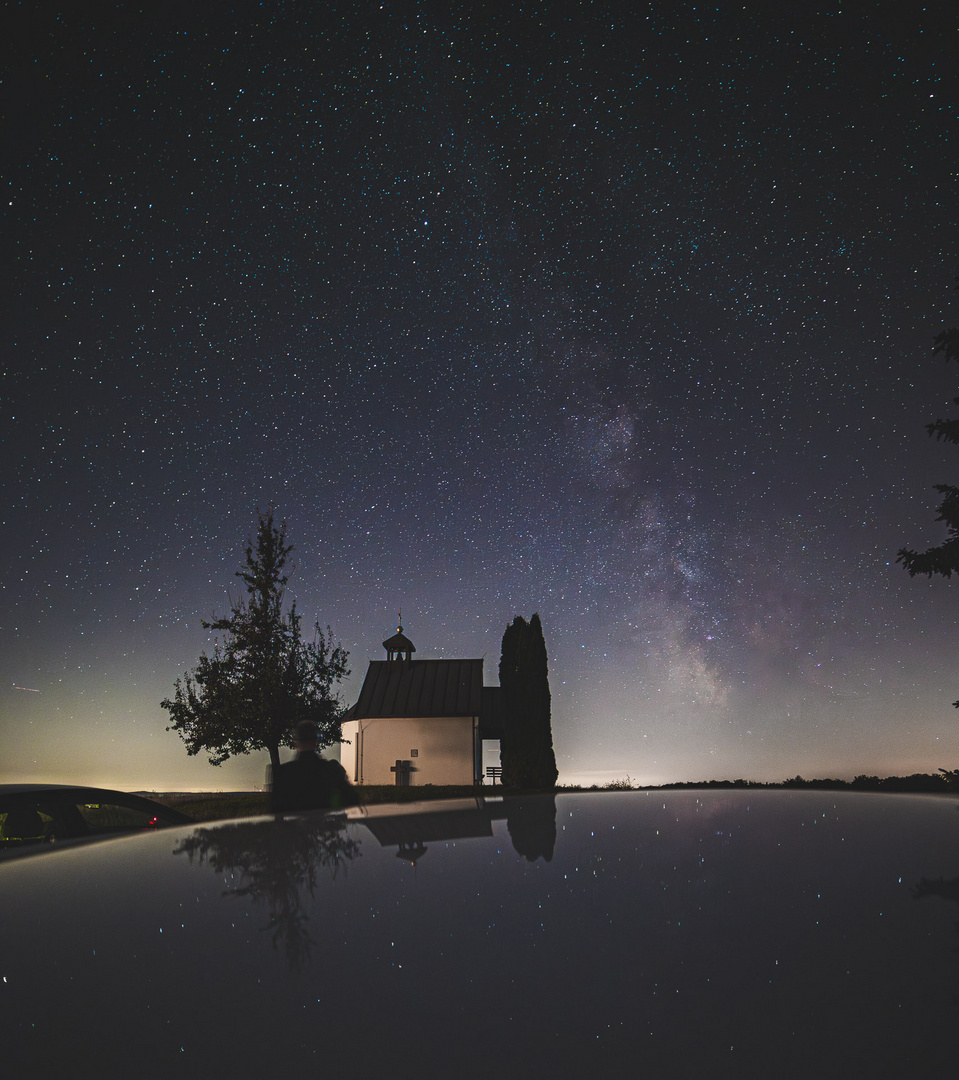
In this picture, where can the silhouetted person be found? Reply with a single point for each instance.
(310, 782)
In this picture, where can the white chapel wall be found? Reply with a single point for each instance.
(349, 732)
(443, 745)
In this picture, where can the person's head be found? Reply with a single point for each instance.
(305, 735)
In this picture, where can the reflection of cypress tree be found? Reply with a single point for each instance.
(279, 864)
(532, 826)
(526, 749)
(948, 890)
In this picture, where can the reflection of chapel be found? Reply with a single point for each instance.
(421, 721)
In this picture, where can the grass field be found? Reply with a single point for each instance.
(216, 806)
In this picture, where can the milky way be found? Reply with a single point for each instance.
(621, 313)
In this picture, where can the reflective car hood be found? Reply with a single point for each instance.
(687, 933)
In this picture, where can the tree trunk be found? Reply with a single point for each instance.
(274, 749)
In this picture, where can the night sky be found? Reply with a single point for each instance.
(621, 313)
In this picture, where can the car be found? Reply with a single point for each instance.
(35, 816)
(710, 933)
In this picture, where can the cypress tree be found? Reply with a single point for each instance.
(526, 750)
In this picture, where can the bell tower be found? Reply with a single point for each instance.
(399, 646)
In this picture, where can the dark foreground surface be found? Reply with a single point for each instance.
(692, 933)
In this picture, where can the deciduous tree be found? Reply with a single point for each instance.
(944, 558)
(262, 677)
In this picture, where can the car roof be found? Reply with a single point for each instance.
(552, 934)
(16, 789)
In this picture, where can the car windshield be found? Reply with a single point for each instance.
(34, 820)
(22, 827)
(111, 817)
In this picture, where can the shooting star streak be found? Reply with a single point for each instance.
(29, 689)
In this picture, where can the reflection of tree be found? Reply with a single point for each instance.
(532, 826)
(278, 862)
(945, 890)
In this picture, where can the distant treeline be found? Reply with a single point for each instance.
(944, 781)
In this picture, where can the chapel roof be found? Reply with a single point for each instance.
(421, 688)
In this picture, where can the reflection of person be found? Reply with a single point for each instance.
(310, 782)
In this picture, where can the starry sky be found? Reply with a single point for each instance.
(618, 312)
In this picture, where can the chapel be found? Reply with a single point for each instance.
(422, 722)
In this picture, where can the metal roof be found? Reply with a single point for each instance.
(421, 688)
